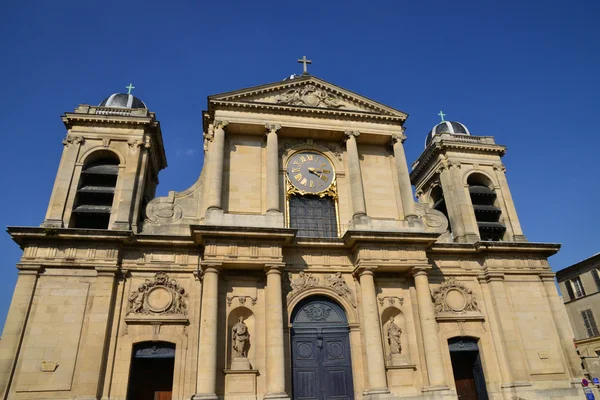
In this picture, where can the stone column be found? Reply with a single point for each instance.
(356, 186)
(272, 168)
(509, 205)
(429, 329)
(216, 170)
(376, 375)
(207, 348)
(563, 327)
(510, 332)
(408, 202)
(274, 335)
(63, 182)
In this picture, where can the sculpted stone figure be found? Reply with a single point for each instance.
(136, 300)
(339, 285)
(302, 282)
(393, 336)
(239, 339)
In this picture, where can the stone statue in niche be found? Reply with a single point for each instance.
(393, 336)
(240, 338)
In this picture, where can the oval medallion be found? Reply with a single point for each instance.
(456, 300)
(159, 299)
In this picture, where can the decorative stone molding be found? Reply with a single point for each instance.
(335, 282)
(350, 134)
(401, 137)
(317, 312)
(434, 220)
(272, 127)
(391, 300)
(332, 147)
(220, 124)
(241, 299)
(163, 210)
(71, 139)
(160, 296)
(453, 297)
(139, 143)
(310, 96)
(208, 136)
(499, 167)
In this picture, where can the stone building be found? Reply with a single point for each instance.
(580, 286)
(297, 266)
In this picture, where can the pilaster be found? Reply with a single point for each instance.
(272, 168)
(408, 202)
(356, 184)
(215, 181)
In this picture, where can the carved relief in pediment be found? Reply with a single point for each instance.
(157, 297)
(454, 297)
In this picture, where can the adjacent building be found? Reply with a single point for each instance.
(298, 266)
(580, 286)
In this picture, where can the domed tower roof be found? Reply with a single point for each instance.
(453, 127)
(122, 100)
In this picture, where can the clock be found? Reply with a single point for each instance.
(310, 172)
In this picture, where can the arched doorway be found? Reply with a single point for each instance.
(467, 369)
(321, 363)
(151, 372)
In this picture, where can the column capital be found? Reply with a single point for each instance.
(364, 270)
(218, 124)
(350, 134)
(275, 268)
(419, 271)
(272, 127)
(211, 268)
(398, 137)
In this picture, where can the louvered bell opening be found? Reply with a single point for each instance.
(482, 195)
(487, 213)
(95, 195)
(491, 231)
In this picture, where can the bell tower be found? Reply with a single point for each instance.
(463, 177)
(109, 166)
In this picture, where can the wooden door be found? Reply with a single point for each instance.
(163, 395)
(465, 389)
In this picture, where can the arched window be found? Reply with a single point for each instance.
(95, 192)
(487, 212)
(439, 203)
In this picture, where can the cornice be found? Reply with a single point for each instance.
(70, 119)
(434, 149)
(530, 248)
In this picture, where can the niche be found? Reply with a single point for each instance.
(395, 337)
(243, 355)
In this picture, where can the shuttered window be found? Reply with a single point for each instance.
(590, 323)
(578, 286)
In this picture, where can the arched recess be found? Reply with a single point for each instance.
(486, 207)
(250, 321)
(389, 315)
(467, 367)
(321, 350)
(92, 153)
(120, 375)
(96, 189)
(349, 309)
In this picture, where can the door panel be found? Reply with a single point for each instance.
(321, 367)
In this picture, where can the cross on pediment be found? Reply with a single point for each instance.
(304, 61)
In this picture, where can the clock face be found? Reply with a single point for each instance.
(310, 172)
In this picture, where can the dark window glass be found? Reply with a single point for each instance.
(313, 216)
(596, 279)
(590, 323)
(579, 292)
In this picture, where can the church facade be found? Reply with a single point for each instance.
(298, 266)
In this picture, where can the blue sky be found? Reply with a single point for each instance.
(525, 72)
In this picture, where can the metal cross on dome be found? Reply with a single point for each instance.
(129, 88)
(441, 114)
(304, 61)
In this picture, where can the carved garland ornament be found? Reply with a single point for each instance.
(454, 297)
(335, 282)
(159, 296)
(310, 96)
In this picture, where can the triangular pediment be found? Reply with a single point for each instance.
(307, 92)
